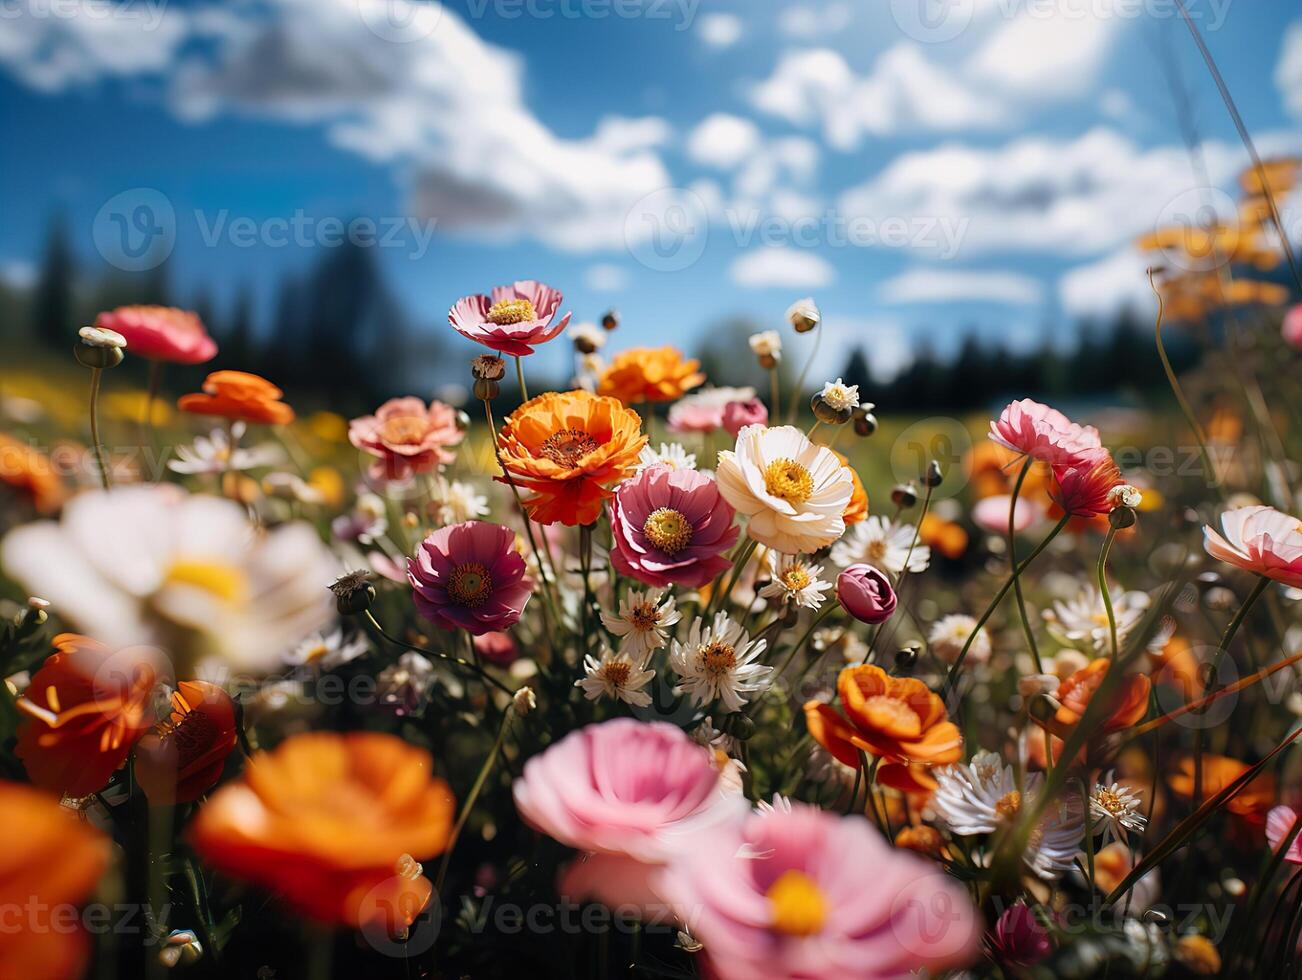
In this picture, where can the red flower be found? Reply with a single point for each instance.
(183, 757)
(1085, 483)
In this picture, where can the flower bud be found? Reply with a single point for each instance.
(804, 315)
(824, 412)
(905, 495)
(99, 347)
(865, 422)
(486, 391)
(354, 593)
(610, 319)
(906, 658)
(524, 701)
(866, 594)
(933, 477)
(1121, 518)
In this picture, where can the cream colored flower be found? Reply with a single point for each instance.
(615, 676)
(793, 579)
(642, 622)
(766, 343)
(1124, 494)
(671, 454)
(102, 337)
(793, 492)
(839, 396)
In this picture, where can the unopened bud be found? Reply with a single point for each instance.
(804, 315)
(904, 495)
(933, 477)
(824, 412)
(1121, 518)
(610, 319)
(99, 347)
(865, 422)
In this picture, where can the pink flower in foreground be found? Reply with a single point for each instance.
(406, 436)
(671, 526)
(782, 894)
(1029, 428)
(628, 793)
(161, 333)
(1279, 824)
(469, 576)
(738, 415)
(1292, 327)
(514, 320)
(1085, 483)
(991, 513)
(1261, 540)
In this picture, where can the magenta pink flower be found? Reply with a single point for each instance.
(627, 793)
(866, 594)
(406, 436)
(469, 576)
(161, 333)
(1019, 939)
(738, 415)
(514, 320)
(782, 894)
(1291, 329)
(1279, 824)
(1085, 483)
(1029, 428)
(1261, 540)
(671, 526)
(497, 648)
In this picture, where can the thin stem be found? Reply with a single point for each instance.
(813, 428)
(96, 374)
(151, 396)
(519, 373)
(1012, 563)
(800, 381)
(747, 549)
(459, 661)
(1103, 589)
(813, 625)
(774, 401)
(469, 805)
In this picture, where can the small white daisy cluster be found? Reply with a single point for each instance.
(884, 544)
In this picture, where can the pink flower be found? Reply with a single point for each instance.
(866, 594)
(513, 320)
(1085, 483)
(406, 436)
(783, 894)
(1029, 428)
(161, 333)
(671, 526)
(991, 513)
(497, 648)
(1018, 938)
(1292, 327)
(629, 794)
(1262, 540)
(738, 415)
(703, 411)
(469, 576)
(1279, 824)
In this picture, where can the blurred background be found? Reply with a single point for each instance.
(959, 183)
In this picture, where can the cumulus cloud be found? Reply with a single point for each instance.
(1103, 288)
(782, 267)
(722, 140)
(720, 30)
(806, 21)
(949, 285)
(1288, 71)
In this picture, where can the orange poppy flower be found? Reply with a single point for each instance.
(569, 448)
(857, 509)
(86, 707)
(183, 757)
(898, 719)
(240, 396)
(1129, 701)
(1176, 664)
(31, 473)
(650, 374)
(943, 536)
(58, 864)
(335, 824)
(1252, 803)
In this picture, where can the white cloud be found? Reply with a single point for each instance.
(606, 278)
(1288, 71)
(720, 30)
(1074, 197)
(722, 140)
(782, 267)
(949, 285)
(809, 22)
(883, 340)
(1103, 288)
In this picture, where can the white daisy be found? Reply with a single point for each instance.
(216, 453)
(327, 650)
(793, 491)
(456, 502)
(949, 633)
(642, 621)
(983, 796)
(1114, 810)
(766, 343)
(794, 580)
(671, 454)
(615, 675)
(881, 542)
(1084, 618)
(717, 662)
(839, 396)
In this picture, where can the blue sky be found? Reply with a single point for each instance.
(915, 165)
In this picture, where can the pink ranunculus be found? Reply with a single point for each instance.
(406, 436)
(497, 648)
(1279, 824)
(702, 411)
(1030, 428)
(1261, 540)
(1292, 327)
(161, 333)
(1019, 939)
(671, 526)
(866, 594)
(783, 894)
(991, 513)
(1085, 482)
(628, 794)
(513, 320)
(469, 576)
(738, 415)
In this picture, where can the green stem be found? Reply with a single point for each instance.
(519, 373)
(813, 625)
(747, 549)
(469, 805)
(96, 374)
(773, 392)
(459, 661)
(1103, 589)
(1012, 563)
(800, 381)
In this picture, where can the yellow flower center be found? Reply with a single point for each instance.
(1111, 802)
(669, 530)
(404, 430)
(223, 581)
(616, 672)
(797, 904)
(876, 551)
(789, 480)
(510, 311)
(567, 447)
(470, 584)
(644, 616)
(1009, 804)
(718, 658)
(314, 653)
(795, 578)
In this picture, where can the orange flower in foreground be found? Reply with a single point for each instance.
(569, 448)
(335, 824)
(86, 707)
(240, 396)
(183, 757)
(1252, 802)
(898, 719)
(857, 509)
(31, 473)
(57, 864)
(650, 374)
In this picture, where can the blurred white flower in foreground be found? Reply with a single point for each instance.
(150, 564)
